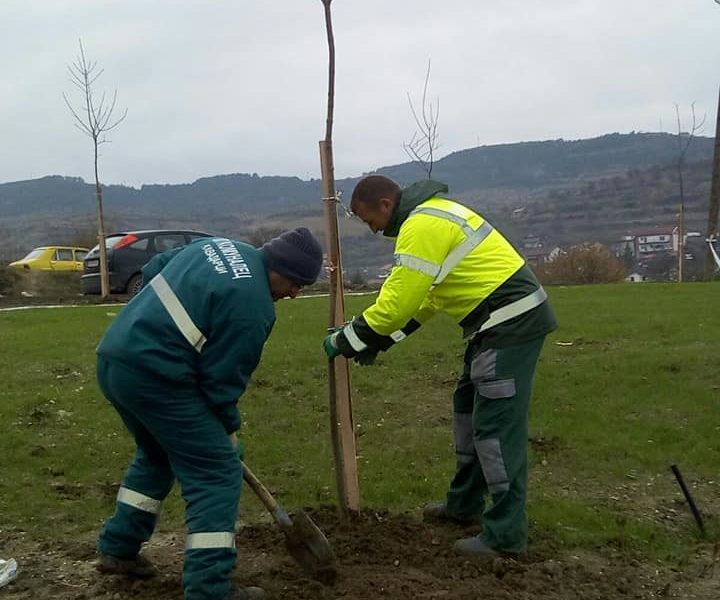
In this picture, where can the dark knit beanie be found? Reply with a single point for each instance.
(296, 254)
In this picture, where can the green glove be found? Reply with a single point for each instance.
(330, 346)
(366, 357)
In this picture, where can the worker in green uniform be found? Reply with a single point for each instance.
(173, 364)
(449, 258)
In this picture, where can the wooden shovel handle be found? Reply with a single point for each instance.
(278, 512)
(259, 489)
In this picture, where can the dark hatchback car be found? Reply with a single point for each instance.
(127, 252)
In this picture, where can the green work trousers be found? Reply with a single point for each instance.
(491, 403)
(177, 436)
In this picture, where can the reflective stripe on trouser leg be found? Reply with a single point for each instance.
(500, 429)
(211, 480)
(210, 539)
(138, 500)
(210, 555)
(147, 481)
(136, 513)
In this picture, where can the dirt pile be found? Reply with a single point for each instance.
(379, 555)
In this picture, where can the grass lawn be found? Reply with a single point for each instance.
(628, 385)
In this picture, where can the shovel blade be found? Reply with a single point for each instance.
(310, 548)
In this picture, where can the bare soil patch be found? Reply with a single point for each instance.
(379, 555)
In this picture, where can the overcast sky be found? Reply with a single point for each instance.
(216, 86)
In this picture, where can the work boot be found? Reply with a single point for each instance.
(437, 511)
(246, 593)
(477, 547)
(139, 567)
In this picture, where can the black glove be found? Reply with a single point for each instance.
(366, 357)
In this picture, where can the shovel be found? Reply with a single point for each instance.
(303, 539)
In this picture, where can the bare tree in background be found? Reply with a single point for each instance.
(424, 142)
(684, 140)
(94, 117)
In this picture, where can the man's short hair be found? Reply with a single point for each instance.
(373, 187)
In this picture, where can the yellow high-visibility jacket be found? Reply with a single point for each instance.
(426, 242)
(449, 258)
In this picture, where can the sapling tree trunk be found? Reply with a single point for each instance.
(340, 399)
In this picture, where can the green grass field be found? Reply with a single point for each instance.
(628, 385)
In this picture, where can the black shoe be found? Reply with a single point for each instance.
(246, 593)
(139, 567)
(476, 546)
(437, 511)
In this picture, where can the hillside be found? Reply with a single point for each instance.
(563, 191)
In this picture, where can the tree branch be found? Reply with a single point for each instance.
(424, 142)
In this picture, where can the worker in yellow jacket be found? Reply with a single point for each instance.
(449, 258)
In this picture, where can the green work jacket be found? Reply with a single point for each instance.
(200, 320)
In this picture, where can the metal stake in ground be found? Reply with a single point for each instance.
(689, 498)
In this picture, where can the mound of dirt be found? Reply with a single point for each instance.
(379, 555)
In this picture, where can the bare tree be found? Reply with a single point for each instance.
(684, 139)
(425, 141)
(94, 117)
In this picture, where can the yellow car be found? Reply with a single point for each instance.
(53, 258)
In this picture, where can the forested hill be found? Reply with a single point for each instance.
(546, 181)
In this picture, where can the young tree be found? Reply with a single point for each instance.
(340, 397)
(684, 139)
(94, 117)
(425, 141)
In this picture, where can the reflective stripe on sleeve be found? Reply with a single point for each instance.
(437, 212)
(417, 264)
(177, 312)
(210, 539)
(473, 238)
(398, 336)
(355, 342)
(138, 500)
